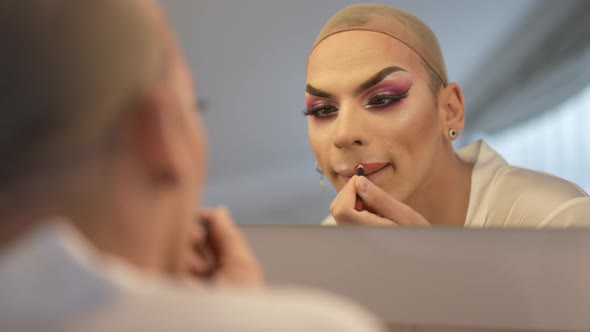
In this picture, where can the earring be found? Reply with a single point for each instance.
(453, 133)
(319, 170)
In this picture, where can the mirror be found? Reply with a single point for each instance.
(523, 67)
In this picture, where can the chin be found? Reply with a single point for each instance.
(339, 185)
(396, 192)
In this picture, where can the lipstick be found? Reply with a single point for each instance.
(358, 205)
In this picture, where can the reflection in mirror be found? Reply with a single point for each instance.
(520, 69)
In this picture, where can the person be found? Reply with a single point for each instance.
(378, 95)
(103, 161)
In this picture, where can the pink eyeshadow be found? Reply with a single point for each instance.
(311, 102)
(396, 86)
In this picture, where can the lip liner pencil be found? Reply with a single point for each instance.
(360, 171)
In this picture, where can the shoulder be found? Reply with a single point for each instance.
(522, 197)
(237, 310)
(537, 186)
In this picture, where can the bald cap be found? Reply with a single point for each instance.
(391, 21)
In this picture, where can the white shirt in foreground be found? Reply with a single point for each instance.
(52, 280)
(507, 196)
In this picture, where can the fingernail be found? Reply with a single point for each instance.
(363, 184)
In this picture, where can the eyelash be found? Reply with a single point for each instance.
(392, 99)
(317, 111)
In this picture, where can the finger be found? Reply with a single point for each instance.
(236, 263)
(343, 206)
(225, 236)
(198, 234)
(380, 203)
(351, 216)
(344, 210)
(368, 218)
(200, 265)
(202, 259)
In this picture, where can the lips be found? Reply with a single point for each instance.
(370, 168)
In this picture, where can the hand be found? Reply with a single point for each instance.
(221, 254)
(379, 207)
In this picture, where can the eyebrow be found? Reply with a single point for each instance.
(318, 93)
(374, 80)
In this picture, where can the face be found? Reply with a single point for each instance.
(190, 152)
(368, 101)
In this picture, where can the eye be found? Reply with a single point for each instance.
(321, 111)
(384, 100)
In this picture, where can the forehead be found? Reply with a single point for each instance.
(356, 55)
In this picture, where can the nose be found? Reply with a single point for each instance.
(348, 129)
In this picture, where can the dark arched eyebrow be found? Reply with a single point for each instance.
(318, 93)
(374, 80)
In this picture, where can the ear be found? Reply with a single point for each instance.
(152, 137)
(451, 110)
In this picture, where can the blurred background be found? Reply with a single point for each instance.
(524, 66)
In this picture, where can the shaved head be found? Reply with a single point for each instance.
(69, 69)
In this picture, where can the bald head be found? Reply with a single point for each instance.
(69, 70)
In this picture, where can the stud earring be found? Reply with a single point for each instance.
(453, 133)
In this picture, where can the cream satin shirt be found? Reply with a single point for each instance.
(52, 280)
(507, 196)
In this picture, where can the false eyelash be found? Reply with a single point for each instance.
(307, 112)
(395, 98)
(315, 111)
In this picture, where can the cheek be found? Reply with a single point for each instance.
(320, 142)
(194, 156)
(201, 151)
(407, 134)
(416, 124)
(180, 251)
(318, 138)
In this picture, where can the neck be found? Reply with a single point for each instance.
(444, 198)
(115, 229)
(14, 226)
(122, 229)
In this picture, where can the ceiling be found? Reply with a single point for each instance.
(248, 58)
